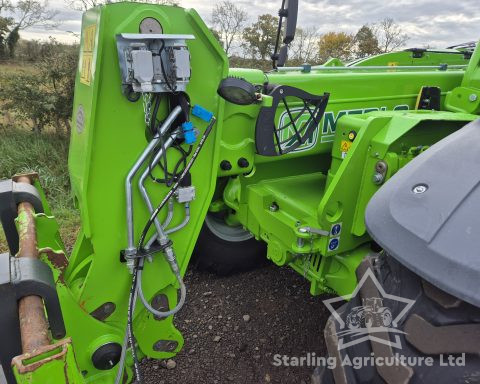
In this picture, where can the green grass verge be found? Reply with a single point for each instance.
(22, 151)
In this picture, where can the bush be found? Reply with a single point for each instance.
(44, 96)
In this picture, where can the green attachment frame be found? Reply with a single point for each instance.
(314, 221)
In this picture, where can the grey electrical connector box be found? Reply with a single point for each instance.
(186, 194)
(154, 62)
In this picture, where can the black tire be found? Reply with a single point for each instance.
(432, 310)
(223, 257)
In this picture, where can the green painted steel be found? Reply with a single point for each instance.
(55, 366)
(466, 98)
(408, 57)
(415, 57)
(324, 185)
(108, 134)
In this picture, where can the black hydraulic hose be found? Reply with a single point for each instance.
(131, 337)
(177, 184)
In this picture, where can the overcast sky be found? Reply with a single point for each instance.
(434, 22)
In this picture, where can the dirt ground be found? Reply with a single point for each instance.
(233, 326)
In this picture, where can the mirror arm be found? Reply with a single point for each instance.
(281, 13)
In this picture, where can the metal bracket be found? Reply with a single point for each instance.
(11, 194)
(314, 231)
(20, 277)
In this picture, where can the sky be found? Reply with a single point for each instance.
(433, 22)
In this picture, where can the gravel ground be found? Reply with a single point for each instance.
(233, 326)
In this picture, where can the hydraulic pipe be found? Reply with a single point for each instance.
(171, 230)
(141, 185)
(128, 181)
(371, 68)
(31, 312)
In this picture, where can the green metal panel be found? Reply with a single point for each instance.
(466, 98)
(428, 57)
(108, 135)
(350, 93)
(55, 366)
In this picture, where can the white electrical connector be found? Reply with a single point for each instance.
(142, 66)
(185, 194)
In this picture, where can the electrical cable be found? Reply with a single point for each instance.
(177, 183)
(170, 177)
(167, 81)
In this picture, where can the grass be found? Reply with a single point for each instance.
(17, 67)
(23, 151)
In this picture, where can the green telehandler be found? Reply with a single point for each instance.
(173, 153)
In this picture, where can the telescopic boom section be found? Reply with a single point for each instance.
(33, 323)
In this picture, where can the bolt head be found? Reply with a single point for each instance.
(473, 97)
(377, 178)
(274, 207)
(419, 189)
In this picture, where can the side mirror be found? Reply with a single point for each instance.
(289, 11)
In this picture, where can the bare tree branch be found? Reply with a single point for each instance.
(5, 6)
(304, 48)
(29, 13)
(228, 20)
(390, 35)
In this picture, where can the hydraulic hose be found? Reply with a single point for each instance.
(148, 307)
(183, 223)
(121, 362)
(173, 229)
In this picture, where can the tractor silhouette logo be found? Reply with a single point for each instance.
(375, 320)
(371, 314)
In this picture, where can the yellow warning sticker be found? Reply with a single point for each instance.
(87, 54)
(345, 145)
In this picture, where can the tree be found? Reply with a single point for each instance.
(29, 13)
(5, 5)
(366, 42)
(45, 96)
(390, 35)
(304, 49)
(217, 36)
(23, 14)
(5, 24)
(228, 21)
(12, 41)
(259, 38)
(335, 44)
